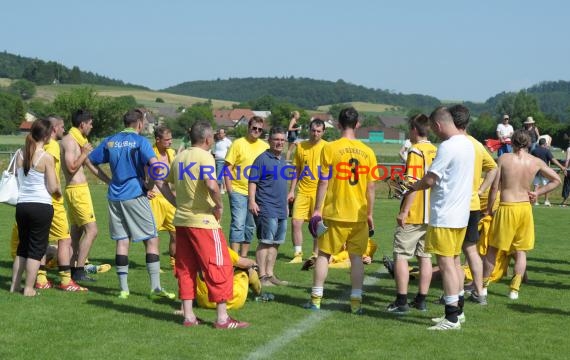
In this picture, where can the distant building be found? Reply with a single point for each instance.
(26, 125)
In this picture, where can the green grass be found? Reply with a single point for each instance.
(59, 325)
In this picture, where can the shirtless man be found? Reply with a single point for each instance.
(75, 148)
(513, 224)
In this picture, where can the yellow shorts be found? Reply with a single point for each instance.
(59, 229)
(303, 207)
(163, 213)
(444, 241)
(79, 204)
(241, 286)
(512, 227)
(339, 233)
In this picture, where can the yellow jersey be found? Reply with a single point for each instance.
(54, 150)
(420, 157)
(307, 160)
(483, 162)
(348, 165)
(241, 154)
(194, 205)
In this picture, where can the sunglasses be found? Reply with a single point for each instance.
(254, 128)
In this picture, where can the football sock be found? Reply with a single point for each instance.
(515, 282)
(64, 275)
(356, 294)
(41, 278)
(298, 249)
(153, 269)
(123, 274)
(317, 295)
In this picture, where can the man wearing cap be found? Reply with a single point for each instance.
(504, 133)
(532, 131)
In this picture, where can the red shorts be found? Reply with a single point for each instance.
(205, 251)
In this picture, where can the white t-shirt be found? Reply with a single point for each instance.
(450, 197)
(221, 148)
(505, 131)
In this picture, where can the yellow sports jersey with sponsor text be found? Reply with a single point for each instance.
(194, 205)
(483, 162)
(348, 165)
(241, 154)
(420, 157)
(307, 160)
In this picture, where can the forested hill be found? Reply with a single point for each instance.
(553, 99)
(47, 72)
(303, 92)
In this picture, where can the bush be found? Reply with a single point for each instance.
(159, 100)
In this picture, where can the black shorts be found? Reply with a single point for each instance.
(472, 234)
(34, 221)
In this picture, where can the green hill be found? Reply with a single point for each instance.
(303, 92)
(43, 72)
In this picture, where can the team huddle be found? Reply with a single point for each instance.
(440, 213)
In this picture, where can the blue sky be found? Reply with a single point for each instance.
(454, 50)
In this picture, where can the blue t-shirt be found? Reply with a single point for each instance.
(127, 154)
(270, 174)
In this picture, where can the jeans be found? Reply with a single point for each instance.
(242, 225)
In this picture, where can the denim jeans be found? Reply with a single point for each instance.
(242, 225)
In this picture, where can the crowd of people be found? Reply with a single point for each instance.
(144, 198)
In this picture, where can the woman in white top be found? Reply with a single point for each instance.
(220, 150)
(34, 210)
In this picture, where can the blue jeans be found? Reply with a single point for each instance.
(506, 148)
(271, 231)
(219, 166)
(242, 224)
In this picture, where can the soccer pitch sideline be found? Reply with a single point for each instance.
(98, 325)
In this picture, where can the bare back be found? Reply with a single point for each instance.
(70, 153)
(516, 173)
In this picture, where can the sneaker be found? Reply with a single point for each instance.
(275, 281)
(478, 299)
(461, 318)
(96, 269)
(82, 276)
(265, 281)
(190, 323)
(161, 294)
(72, 286)
(398, 309)
(513, 295)
(310, 306)
(231, 324)
(47, 285)
(103, 268)
(297, 258)
(446, 325)
(389, 265)
(124, 295)
(547, 203)
(419, 305)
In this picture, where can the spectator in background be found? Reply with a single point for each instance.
(34, 210)
(404, 150)
(220, 151)
(566, 186)
(293, 133)
(504, 133)
(542, 152)
(532, 132)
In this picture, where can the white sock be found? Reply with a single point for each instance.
(298, 249)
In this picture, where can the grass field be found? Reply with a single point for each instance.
(98, 325)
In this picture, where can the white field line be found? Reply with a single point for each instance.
(302, 326)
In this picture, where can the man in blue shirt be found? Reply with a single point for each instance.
(267, 191)
(130, 216)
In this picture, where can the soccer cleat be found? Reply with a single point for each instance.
(190, 323)
(419, 305)
(96, 269)
(513, 295)
(309, 263)
(297, 258)
(231, 324)
(161, 294)
(389, 265)
(72, 286)
(460, 317)
(478, 299)
(46, 285)
(124, 295)
(398, 309)
(82, 276)
(356, 306)
(446, 325)
(311, 306)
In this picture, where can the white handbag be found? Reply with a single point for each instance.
(9, 183)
